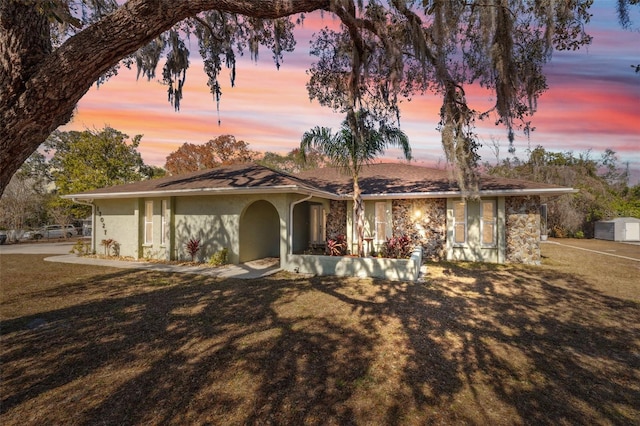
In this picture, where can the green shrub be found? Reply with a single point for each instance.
(110, 245)
(81, 248)
(219, 258)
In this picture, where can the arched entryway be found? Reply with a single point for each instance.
(259, 232)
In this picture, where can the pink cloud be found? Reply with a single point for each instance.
(592, 103)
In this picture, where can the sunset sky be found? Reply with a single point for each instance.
(593, 103)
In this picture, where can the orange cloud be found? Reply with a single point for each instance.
(592, 103)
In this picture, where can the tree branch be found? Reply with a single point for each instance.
(51, 91)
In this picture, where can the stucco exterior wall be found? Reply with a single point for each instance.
(216, 221)
(425, 222)
(523, 230)
(373, 242)
(117, 220)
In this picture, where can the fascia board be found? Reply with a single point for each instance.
(204, 191)
(456, 194)
(321, 194)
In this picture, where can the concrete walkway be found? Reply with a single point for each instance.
(254, 269)
(60, 251)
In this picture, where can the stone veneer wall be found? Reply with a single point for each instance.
(429, 229)
(337, 218)
(523, 229)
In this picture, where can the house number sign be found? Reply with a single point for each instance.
(99, 213)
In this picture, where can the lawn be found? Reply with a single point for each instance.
(472, 344)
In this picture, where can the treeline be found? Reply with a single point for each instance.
(77, 161)
(226, 150)
(602, 183)
(72, 162)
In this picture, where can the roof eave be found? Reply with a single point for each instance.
(318, 193)
(203, 191)
(482, 193)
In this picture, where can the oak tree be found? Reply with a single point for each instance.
(602, 184)
(92, 159)
(52, 52)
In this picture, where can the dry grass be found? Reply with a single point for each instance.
(611, 275)
(474, 344)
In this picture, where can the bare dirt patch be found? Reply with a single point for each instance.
(474, 344)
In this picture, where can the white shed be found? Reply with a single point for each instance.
(618, 229)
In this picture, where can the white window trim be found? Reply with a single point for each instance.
(164, 222)
(455, 222)
(148, 239)
(494, 222)
(380, 239)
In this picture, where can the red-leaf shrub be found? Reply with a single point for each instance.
(397, 247)
(337, 246)
(193, 247)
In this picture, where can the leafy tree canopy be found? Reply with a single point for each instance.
(223, 150)
(294, 161)
(94, 159)
(602, 184)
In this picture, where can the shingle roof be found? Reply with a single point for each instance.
(402, 178)
(376, 180)
(234, 177)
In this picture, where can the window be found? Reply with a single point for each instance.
(164, 222)
(148, 222)
(459, 222)
(488, 222)
(381, 221)
(317, 224)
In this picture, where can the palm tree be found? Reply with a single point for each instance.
(358, 142)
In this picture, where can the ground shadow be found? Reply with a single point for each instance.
(164, 348)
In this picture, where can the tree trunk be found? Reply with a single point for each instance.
(40, 88)
(358, 212)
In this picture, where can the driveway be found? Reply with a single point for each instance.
(61, 247)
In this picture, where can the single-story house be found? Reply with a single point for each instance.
(256, 212)
(618, 229)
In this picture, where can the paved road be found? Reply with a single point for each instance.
(62, 247)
